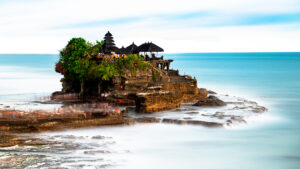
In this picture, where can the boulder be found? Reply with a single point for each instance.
(211, 101)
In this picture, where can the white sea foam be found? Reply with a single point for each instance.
(256, 121)
(235, 91)
(240, 92)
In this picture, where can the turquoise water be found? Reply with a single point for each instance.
(271, 79)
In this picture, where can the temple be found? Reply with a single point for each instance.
(156, 88)
(148, 50)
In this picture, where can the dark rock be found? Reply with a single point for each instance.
(211, 92)
(259, 109)
(148, 120)
(180, 109)
(193, 122)
(229, 121)
(174, 121)
(204, 123)
(94, 152)
(98, 137)
(192, 113)
(219, 115)
(238, 119)
(211, 101)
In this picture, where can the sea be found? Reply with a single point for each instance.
(268, 141)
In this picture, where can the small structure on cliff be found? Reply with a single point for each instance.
(109, 44)
(132, 49)
(127, 75)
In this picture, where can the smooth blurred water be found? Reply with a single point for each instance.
(271, 79)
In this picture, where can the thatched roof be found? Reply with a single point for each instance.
(122, 50)
(132, 48)
(149, 47)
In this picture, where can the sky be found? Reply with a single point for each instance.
(45, 26)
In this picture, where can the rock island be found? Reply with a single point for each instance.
(132, 76)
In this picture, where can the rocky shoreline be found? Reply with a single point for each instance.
(98, 114)
(29, 150)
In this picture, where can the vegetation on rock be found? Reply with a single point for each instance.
(77, 61)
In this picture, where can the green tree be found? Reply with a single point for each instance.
(76, 62)
(73, 60)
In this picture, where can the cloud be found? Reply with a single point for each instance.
(97, 23)
(262, 19)
(44, 26)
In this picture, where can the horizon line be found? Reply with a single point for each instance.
(160, 52)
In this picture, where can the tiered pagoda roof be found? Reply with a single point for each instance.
(109, 43)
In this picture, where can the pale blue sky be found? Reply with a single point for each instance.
(45, 26)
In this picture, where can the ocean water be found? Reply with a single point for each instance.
(267, 141)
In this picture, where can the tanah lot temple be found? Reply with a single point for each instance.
(148, 50)
(155, 89)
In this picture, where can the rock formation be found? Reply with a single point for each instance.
(150, 91)
(146, 81)
(211, 101)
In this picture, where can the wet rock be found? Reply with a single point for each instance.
(148, 120)
(259, 109)
(98, 137)
(202, 93)
(185, 109)
(211, 101)
(229, 121)
(193, 122)
(192, 113)
(211, 92)
(219, 115)
(105, 166)
(204, 123)
(66, 136)
(237, 103)
(78, 166)
(174, 121)
(12, 140)
(238, 119)
(129, 108)
(49, 124)
(94, 152)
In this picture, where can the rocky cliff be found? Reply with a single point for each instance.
(150, 90)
